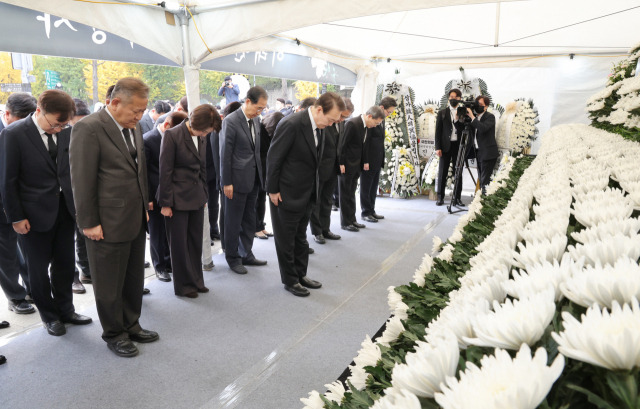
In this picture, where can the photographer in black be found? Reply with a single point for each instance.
(448, 133)
(483, 126)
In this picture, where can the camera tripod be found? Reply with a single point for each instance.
(461, 162)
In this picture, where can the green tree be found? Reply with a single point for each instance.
(164, 82)
(306, 89)
(7, 75)
(72, 76)
(210, 82)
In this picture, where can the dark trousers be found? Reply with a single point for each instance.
(221, 219)
(336, 192)
(52, 252)
(185, 240)
(321, 213)
(292, 247)
(158, 242)
(443, 169)
(348, 186)
(485, 169)
(240, 225)
(214, 207)
(117, 274)
(82, 259)
(10, 266)
(261, 209)
(368, 191)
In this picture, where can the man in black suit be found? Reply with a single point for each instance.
(214, 194)
(369, 180)
(292, 180)
(182, 105)
(109, 178)
(159, 246)
(448, 134)
(484, 130)
(36, 187)
(353, 155)
(12, 263)
(327, 179)
(241, 174)
(149, 119)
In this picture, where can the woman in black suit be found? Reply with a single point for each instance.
(182, 194)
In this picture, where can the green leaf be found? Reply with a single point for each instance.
(593, 398)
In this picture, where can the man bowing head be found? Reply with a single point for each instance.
(292, 176)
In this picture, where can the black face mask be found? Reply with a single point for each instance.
(479, 109)
(454, 102)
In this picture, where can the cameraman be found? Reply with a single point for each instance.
(448, 133)
(230, 90)
(484, 126)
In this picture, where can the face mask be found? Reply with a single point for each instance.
(454, 102)
(479, 109)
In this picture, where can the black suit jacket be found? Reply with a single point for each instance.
(31, 180)
(292, 162)
(443, 129)
(3, 215)
(183, 177)
(353, 152)
(376, 147)
(146, 123)
(329, 166)
(214, 145)
(239, 155)
(152, 142)
(265, 143)
(485, 132)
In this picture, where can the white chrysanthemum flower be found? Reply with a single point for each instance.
(437, 244)
(604, 285)
(428, 366)
(397, 399)
(513, 323)
(627, 227)
(502, 382)
(393, 298)
(401, 311)
(538, 277)
(607, 339)
(540, 251)
(313, 401)
(457, 318)
(358, 377)
(336, 391)
(608, 250)
(447, 253)
(369, 354)
(392, 332)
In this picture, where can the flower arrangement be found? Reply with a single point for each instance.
(616, 108)
(523, 127)
(528, 269)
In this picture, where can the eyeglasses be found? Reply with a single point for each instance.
(61, 127)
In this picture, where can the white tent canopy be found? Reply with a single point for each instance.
(379, 40)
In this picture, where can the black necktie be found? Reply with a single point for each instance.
(318, 142)
(127, 139)
(52, 148)
(251, 131)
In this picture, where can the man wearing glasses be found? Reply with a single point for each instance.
(36, 187)
(241, 177)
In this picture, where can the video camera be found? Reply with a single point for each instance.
(461, 111)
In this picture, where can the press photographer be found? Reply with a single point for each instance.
(229, 90)
(448, 133)
(483, 126)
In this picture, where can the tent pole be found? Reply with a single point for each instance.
(191, 71)
(495, 41)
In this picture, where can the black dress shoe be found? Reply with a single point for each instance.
(192, 294)
(21, 307)
(359, 225)
(203, 290)
(147, 264)
(239, 269)
(163, 276)
(146, 291)
(254, 262)
(458, 203)
(319, 238)
(215, 236)
(78, 288)
(123, 347)
(377, 216)
(2, 359)
(350, 228)
(297, 290)
(85, 279)
(309, 283)
(144, 336)
(330, 236)
(334, 208)
(55, 328)
(311, 251)
(370, 219)
(4, 324)
(77, 319)
(440, 202)
(208, 266)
